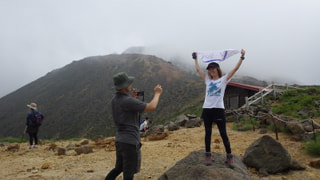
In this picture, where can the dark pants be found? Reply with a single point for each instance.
(216, 115)
(128, 161)
(33, 136)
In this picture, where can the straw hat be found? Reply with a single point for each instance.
(32, 106)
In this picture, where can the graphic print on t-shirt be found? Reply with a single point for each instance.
(213, 89)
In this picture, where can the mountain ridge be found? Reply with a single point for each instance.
(75, 99)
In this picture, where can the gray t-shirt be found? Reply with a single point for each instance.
(125, 112)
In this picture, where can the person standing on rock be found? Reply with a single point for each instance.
(33, 123)
(213, 107)
(125, 112)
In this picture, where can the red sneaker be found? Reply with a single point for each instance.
(208, 159)
(230, 161)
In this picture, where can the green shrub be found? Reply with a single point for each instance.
(285, 130)
(248, 127)
(234, 126)
(276, 109)
(271, 128)
(313, 147)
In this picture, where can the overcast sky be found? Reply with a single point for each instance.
(281, 37)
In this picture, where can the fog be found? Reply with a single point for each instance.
(281, 38)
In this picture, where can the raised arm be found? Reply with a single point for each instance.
(201, 73)
(152, 105)
(235, 69)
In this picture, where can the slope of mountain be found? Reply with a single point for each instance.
(75, 99)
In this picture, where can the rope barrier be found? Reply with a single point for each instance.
(259, 96)
(274, 117)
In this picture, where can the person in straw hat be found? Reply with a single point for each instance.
(31, 128)
(125, 111)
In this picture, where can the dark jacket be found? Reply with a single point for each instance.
(30, 127)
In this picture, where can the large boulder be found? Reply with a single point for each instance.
(172, 126)
(156, 133)
(155, 130)
(181, 120)
(295, 127)
(13, 147)
(84, 149)
(193, 167)
(191, 116)
(194, 122)
(267, 155)
(315, 164)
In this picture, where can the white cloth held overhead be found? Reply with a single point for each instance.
(217, 55)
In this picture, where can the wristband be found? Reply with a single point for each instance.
(242, 57)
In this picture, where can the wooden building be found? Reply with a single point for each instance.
(236, 93)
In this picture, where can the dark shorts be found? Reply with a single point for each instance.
(214, 114)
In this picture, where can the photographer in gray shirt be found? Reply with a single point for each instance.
(125, 112)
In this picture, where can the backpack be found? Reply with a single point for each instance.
(37, 118)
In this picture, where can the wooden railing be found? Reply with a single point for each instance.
(259, 96)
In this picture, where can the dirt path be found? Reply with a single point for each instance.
(157, 157)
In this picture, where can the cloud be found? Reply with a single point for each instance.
(280, 37)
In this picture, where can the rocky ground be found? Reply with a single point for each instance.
(157, 157)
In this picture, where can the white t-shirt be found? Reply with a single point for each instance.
(215, 92)
(144, 124)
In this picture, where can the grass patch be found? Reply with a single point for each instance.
(23, 140)
(281, 129)
(313, 147)
(285, 130)
(13, 140)
(75, 139)
(299, 103)
(234, 126)
(245, 124)
(271, 128)
(248, 127)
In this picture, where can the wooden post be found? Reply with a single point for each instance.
(247, 103)
(261, 92)
(252, 121)
(314, 133)
(276, 129)
(273, 89)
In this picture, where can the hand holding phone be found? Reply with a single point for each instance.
(194, 55)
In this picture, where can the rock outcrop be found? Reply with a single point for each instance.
(268, 156)
(193, 167)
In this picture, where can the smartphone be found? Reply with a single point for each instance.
(140, 93)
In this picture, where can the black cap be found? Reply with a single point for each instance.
(213, 65)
